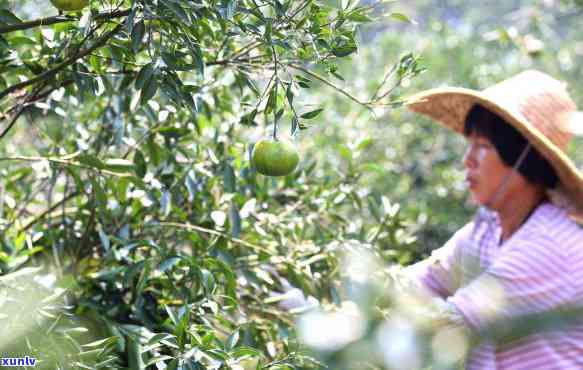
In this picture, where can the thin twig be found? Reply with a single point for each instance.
(388, 75)
(245, 50)
(25, 203)
(275, 62)
(48, 211)
(85, 238)
(216, 233)
(65, 162)
(51, 72)
(33, 98)
(21, 109)
(300, 8)
(59, 19)
(325, 81)
(255, 59)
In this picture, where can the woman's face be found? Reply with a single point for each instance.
(485, 171)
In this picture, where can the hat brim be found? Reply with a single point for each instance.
(450, 106)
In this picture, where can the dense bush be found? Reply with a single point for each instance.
(135, 231)
(128, 198)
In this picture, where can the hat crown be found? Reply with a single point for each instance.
(540, 101)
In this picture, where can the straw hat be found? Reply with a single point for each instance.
(537, 105)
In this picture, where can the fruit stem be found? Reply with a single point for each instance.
(275, 87)
(274, 130)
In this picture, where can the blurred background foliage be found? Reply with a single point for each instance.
(131, 216)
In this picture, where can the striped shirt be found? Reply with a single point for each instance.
(538, 270)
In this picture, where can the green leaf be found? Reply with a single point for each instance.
(229, 179)
(140, 166)
(137, 35)
(191, 185)
(197, 55)
(166, 203)
(232, 341)
(311, 114)
(157, 359)
(173, 365)
(304, 82)
(181, 328)
(278, 115)
(344, 50)
(178, 10)
(401, 17)
(357, 15)
(122, 189)
(104, 238)
(132, 16)
(22, 41)
(99, 194)
(249, 118)
(135, 359)
(149, 90)
(160, 337)
(289, 94)
(144, 75)
(246, 351)
(295, 124)
(171, 314)
(345, 152)
(208, 281)
(8, 17)
(91, 161)
(144, 274)
(228, 8)
(102, 342)
(168, 263)
(280, 9)
(118, 165)
(235, 220)
(268, 31)
(272, 100)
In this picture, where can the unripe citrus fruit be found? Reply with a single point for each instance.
(275, 157)
(70, 5)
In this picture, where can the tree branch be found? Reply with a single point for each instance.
(214, 232)
(59, 19)
(65, 161)
(51, 72)
(20, 108)
(48, 210)
(13, 120)
(325, 81)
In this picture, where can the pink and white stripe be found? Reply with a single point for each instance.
(539, 269)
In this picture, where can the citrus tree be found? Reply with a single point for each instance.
(135, 231)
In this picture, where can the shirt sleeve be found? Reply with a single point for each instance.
(440, 273)
(530, 277)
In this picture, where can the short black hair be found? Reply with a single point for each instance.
(510, 143)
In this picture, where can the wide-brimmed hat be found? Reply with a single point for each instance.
(537, 105)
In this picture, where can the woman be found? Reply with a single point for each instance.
(521, 259)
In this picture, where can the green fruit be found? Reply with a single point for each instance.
(275, 157)
(70, 5)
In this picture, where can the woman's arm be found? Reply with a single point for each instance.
(439, 275)
(530, 278)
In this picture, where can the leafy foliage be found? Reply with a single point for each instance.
(127, 130)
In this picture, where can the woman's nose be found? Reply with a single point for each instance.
(469, 160)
